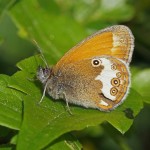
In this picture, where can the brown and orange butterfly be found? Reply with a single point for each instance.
(95, 73)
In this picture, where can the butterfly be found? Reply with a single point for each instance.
(94, 73)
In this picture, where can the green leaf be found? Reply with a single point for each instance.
(13, 140)
(10, 105)
(43, 123)
(141, 82)
(66, 142)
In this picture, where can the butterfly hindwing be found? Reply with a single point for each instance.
(98, 82)
(115, 79)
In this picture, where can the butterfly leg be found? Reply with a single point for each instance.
(67, 104)
(43, 93)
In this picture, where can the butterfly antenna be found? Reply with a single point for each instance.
(41, 52)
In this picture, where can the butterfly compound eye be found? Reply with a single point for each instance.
(96, 62)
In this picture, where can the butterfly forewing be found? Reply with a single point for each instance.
(116, 41)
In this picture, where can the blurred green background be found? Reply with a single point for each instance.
(86, 16)
(12, 48)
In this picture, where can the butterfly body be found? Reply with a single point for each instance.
(95, 73)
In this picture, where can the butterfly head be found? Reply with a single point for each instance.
(43, 74)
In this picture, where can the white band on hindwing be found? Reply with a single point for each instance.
(103, 103)
(105, 77)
